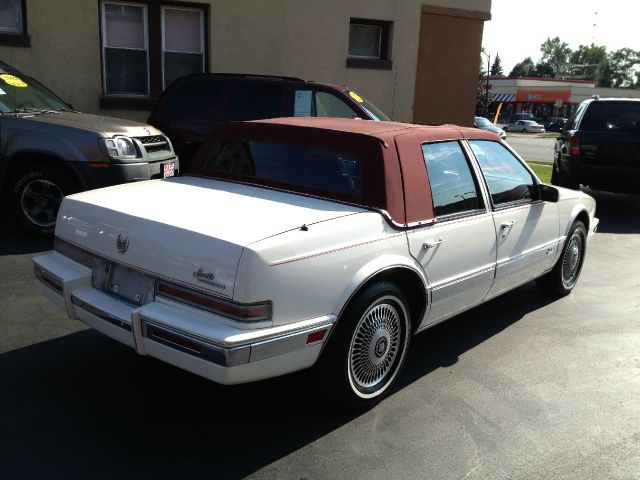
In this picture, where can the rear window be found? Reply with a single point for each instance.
(194, 97)
(282, 164)
(612, 117)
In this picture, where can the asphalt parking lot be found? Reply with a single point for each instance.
(519, 388)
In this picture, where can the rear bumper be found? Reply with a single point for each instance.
(611, 178)
(183, 336)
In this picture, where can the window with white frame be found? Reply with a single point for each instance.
(125, 49)
(146, 45)
(182, 42)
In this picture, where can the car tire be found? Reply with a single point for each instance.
(368, 348)
(524, 130)
(36, 194)
(560, 179)
(505, 128)
(560, 281)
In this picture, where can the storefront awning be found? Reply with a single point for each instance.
(502, 97)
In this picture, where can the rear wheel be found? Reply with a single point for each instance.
(368, 348)
(524, 130)
(564, 276)
(36, 194)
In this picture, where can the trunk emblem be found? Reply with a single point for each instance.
(122, 243)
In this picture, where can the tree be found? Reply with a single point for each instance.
(496, 68)
(623, 65)
(483, 96)
(590, 62)
(524, 68)
(542, 70)
(556, 53)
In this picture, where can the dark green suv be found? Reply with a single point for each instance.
(48, 150)
(600, 147)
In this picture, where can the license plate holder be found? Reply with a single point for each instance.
(129, 285)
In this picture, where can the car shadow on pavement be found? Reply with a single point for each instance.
(15, 241)
(617, 213)
(84, 406)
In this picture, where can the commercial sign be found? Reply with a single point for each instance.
(542, 96)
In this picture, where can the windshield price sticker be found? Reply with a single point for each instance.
(13, 80)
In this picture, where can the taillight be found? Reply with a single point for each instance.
(254, 312)
(574, 144)
(73, 252)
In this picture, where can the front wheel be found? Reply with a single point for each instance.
(560, 281)
(36, 194)
(368, 348)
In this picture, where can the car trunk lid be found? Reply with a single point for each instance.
(188, 230)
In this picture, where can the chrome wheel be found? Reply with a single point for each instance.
(572, 259)
(40, 201)
(378, 346)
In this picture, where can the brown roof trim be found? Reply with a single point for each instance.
(456, 12)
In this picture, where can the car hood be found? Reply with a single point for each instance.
(108, 126)
(493, 128)
(191, 230)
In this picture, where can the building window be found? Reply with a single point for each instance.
(146, 46)
(13, 23)
(182, 42)
(369, 44)
(126, 51)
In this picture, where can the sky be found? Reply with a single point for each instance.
(518, 27)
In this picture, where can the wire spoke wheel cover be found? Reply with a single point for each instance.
(377, 347)
(572, 259)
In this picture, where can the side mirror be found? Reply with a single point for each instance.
(548, 193)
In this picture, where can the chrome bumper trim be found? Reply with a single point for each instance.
(226, 356)
(48, 279)
(112, 319)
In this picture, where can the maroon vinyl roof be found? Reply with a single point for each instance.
(394, 177)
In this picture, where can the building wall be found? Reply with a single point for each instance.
(303, 38)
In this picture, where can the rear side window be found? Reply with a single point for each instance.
(194, 97)
(309, 103)
(302, 166)
(612, 117)
(453, 188)
(255, 101)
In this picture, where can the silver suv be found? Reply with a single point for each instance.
(48, 150)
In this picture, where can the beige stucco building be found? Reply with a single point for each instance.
(416, 59)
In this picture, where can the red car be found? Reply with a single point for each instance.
(193, 105)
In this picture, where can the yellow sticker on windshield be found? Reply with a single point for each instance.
(356, 97)
(13, 80)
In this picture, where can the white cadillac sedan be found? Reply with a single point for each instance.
(313, 242)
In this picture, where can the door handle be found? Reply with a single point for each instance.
(432, 243)
(505, 228)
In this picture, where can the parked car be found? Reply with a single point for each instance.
(190, 107)
(485, 124)
(313, 242)
(522, 116)
(600, 147)
(48, 150)
(524, 126)
(554, 124)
